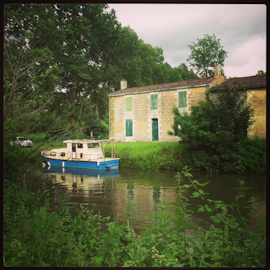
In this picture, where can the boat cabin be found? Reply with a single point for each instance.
(83, 150)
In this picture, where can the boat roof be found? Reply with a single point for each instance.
(84, 141)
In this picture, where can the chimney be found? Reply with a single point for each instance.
(123, 84)
(217, 70)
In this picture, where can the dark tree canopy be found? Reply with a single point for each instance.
(62, 60)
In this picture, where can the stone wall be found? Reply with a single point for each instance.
(142, 114)
(257, 100)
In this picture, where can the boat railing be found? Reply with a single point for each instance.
(71, 156)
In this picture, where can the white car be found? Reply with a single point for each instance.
(23, 142)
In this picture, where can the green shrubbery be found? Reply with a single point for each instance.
(36, 236)
(214, 134)
(248, 156)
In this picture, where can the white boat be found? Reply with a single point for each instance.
(86, 154)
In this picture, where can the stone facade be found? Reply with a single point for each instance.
(145, 113)
(257, 100)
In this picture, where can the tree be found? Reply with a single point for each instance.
(205, 54)
(30, 76)
(214, 127)
(186, 73)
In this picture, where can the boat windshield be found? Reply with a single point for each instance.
(93, 145)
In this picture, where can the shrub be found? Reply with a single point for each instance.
(215, 130)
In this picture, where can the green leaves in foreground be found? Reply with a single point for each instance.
(38, 237)
(42, 222)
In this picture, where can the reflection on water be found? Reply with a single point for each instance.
(112, 190)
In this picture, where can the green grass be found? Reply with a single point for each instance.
(148, 155)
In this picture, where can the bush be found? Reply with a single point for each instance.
(214, 133)
(248, 156)
(251, 156)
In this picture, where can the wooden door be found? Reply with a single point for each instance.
(74, 150)
(154, 129)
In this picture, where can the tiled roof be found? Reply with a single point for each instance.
(163, 86)
(252, 82)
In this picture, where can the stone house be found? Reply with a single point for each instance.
(254, 88)
(145, 113)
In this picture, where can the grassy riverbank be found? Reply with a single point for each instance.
(149, 155)
(248, 157)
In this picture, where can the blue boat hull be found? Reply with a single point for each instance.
(94, 165)
(84, 172)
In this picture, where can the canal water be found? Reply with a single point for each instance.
(112, 190)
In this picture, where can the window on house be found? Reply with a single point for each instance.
(129, 104)
(154, 102)
(182, 99)
(129, 128)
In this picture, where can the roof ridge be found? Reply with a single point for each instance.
(258, 75)
(248, 82)
(152, 85)
(164, 85)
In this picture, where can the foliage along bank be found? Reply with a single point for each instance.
(249, 157)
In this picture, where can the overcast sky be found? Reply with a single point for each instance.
(241, 29)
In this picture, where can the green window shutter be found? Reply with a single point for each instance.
(154, 102)
(129, 131)
(182, 99)
(129, 104)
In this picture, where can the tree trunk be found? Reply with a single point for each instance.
(96, 105)
(73, 125)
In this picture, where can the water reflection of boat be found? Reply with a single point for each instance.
(86, 172)
(80, 179)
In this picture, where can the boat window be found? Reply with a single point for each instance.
(52, 154)
(79, 145)
(93, 145)
(63, 154)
